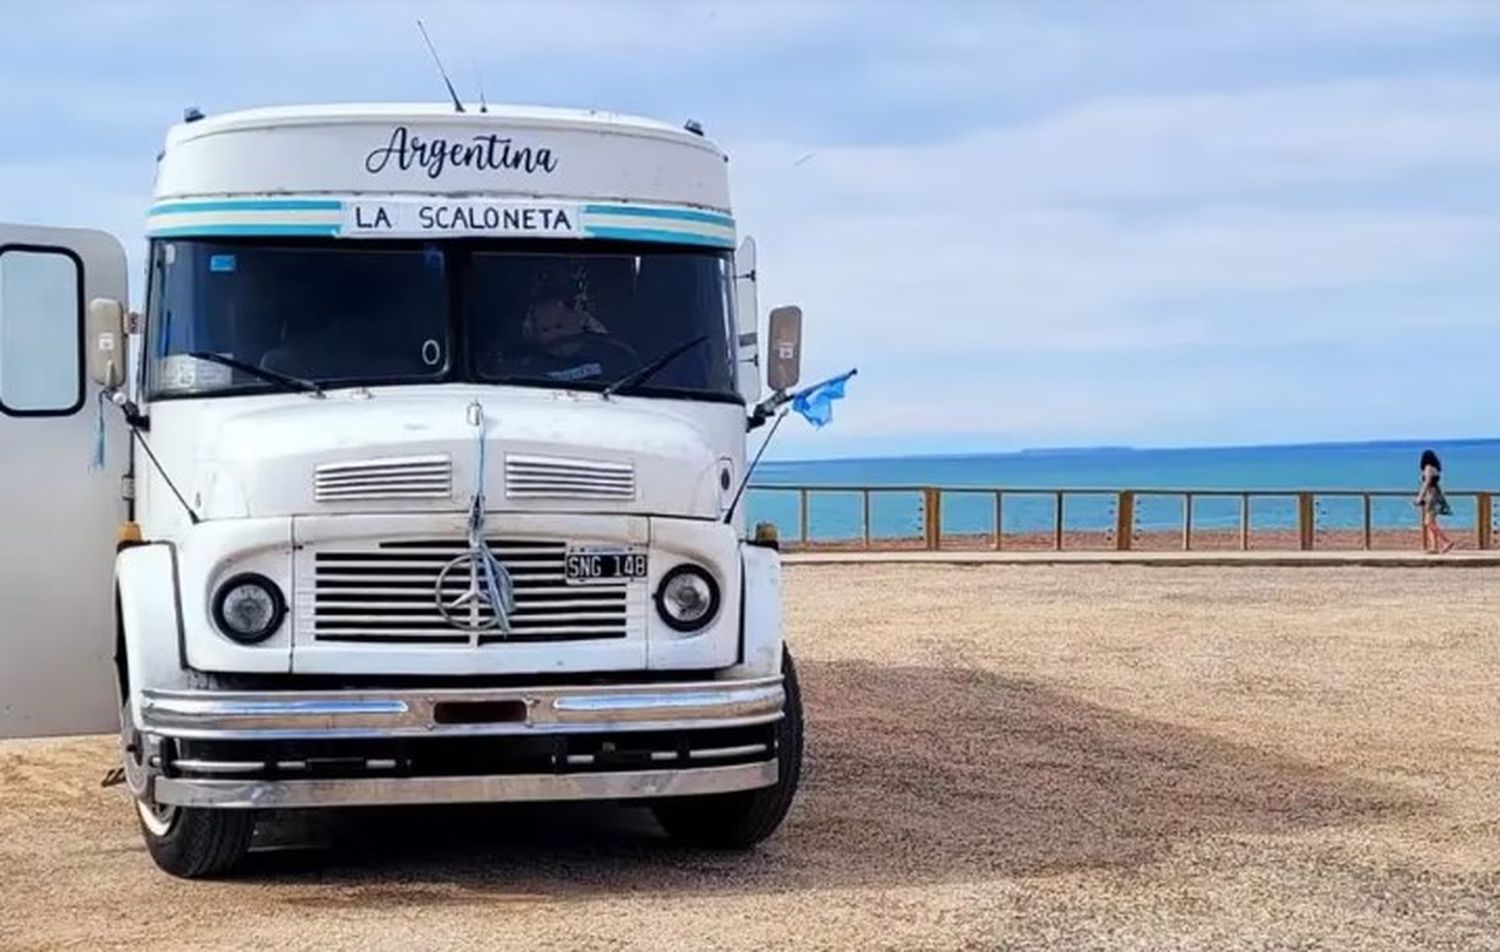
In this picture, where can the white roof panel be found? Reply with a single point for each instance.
(429, 149)
(426, 112)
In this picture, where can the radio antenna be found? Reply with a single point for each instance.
(458, 105)
(479, 80)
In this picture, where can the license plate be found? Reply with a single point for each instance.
(584, 565)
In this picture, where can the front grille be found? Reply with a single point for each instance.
(548, 477)
(407, 477)
(387, 593)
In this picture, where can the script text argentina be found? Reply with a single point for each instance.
(488, 152)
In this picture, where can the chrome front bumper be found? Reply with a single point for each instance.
(286, 715)
(290, 749)
(292, 794)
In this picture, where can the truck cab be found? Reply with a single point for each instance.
(415, 479)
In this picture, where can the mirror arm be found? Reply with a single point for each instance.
(134, 418)
(763, 410)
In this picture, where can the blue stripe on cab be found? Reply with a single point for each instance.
(675, 214)
(657, 234)
(203, 231)
(249, 205)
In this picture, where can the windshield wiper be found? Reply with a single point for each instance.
(270, 376)
(638, 377)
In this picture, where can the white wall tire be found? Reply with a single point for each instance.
(194, 843)
(186, 842)
(741, 820)
(156, 820)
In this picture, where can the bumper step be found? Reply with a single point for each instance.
(395, 791)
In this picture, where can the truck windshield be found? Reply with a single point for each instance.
(576, 315)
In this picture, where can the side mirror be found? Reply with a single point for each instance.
(106, 342)
(784, 364)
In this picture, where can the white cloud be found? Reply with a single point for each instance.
(1068, 231)
(1178, 147)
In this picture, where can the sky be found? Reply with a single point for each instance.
(1028, 224)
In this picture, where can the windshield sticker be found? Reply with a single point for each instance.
(221, 264)
(581, 372)
(186, 372)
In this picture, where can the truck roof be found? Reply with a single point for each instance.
(403, 170)
(428, 113)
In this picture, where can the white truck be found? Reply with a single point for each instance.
(414, 482)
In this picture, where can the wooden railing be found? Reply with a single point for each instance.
(1123, 534)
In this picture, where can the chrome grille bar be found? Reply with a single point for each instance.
(387, 592)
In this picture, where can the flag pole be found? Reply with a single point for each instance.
(729, 513)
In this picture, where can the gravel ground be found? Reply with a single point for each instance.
(999, 757)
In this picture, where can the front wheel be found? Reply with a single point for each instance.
(194, 843)
(184, 841)
(741, 820)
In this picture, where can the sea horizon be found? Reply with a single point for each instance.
(1103, 448)
(1387, 466)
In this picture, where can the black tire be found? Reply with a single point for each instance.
(729, 821)
(196, 843)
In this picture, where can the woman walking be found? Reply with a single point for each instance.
(1432, 503)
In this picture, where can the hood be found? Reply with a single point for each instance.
(402, 451)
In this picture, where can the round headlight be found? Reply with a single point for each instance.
(688, 598)
(249, 608)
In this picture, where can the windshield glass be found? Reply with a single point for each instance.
(592, 319)
(331, 315)
(575, 315)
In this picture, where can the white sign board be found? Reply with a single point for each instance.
(401, 219)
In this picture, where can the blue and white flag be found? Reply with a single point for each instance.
(815, 403)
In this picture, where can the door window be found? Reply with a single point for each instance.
(41, 331)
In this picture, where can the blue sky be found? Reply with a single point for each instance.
(1029, 224)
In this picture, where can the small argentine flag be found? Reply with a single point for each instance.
(815, 403)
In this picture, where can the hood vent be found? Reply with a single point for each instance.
(407, 477)
(548, 477)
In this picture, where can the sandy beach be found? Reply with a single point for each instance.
(999, 757)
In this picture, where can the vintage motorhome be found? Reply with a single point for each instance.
(415, 478)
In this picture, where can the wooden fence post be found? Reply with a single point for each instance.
(932, 521)
(1187, 521)
(1305, 521)
(1057, 527)
(865, 514)
(1244, 522)
(1125, 521)
(1369, 524)
(1484, 518)
(999, 519)
(802, 516)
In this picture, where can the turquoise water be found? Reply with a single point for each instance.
(1467, 465)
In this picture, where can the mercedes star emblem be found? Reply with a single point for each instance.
(473, 609)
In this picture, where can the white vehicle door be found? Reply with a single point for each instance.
(58, 514)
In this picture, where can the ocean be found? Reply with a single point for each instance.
(833, 516)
